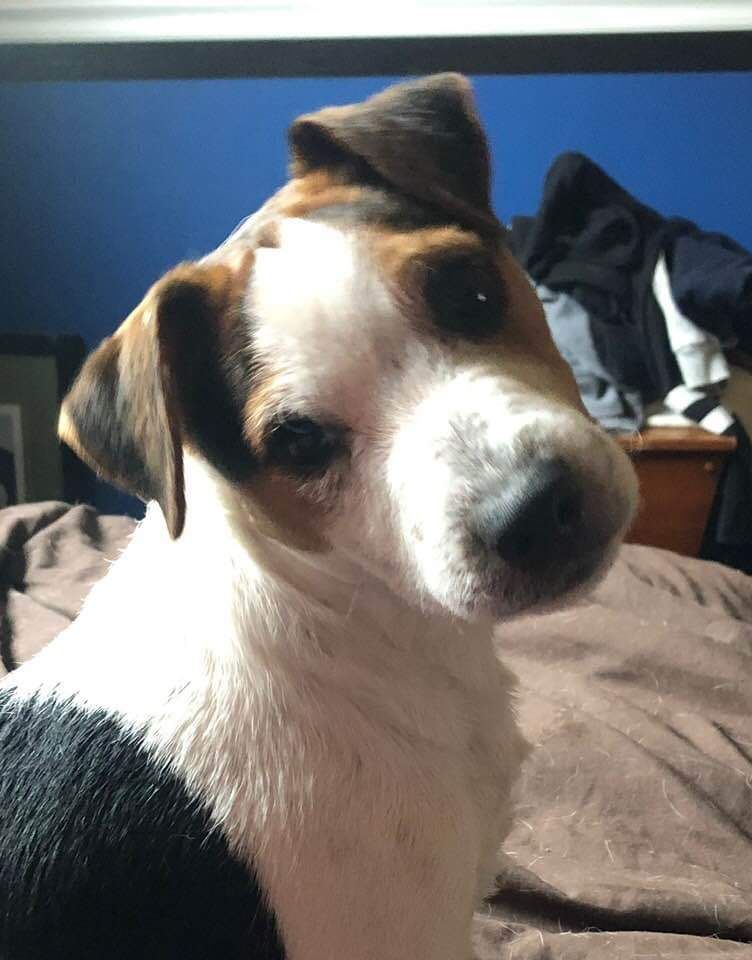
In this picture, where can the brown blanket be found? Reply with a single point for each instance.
(634, 829)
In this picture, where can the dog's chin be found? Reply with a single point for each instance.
(511, 593)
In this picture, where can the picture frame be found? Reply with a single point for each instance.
(12, 462)
(35, 373)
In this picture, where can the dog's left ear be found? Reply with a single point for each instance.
(422, 137)
(143, 393)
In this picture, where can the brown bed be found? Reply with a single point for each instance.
(634, 830)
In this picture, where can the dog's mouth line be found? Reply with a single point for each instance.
(513, 592)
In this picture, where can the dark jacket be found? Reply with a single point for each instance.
(594, 241)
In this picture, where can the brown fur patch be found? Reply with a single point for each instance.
(314, 191)
(525, 342)
(404, 258)
(284, 512)
(66, 430)
(293, 510)
(129, 409)
(260, 409)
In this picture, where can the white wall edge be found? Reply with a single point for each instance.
(30, 21)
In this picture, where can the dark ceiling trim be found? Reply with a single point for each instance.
(602, 53)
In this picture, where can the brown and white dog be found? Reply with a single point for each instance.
(278, 727)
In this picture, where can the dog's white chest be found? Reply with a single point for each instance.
(361, 772)
(362, 799)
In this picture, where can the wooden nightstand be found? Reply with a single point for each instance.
(678, 469)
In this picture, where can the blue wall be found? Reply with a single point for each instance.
(105, 185)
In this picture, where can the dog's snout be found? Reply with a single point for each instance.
(540, 514)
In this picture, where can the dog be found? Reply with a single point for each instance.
(278, 727)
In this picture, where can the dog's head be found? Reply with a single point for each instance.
(367, 366)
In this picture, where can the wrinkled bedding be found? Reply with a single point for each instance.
(633, 837)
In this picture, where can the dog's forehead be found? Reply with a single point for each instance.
(335, 306)
(317, 280)
(329, 252)
(320, 287)
(321, 310)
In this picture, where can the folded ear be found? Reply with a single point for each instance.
(422, 137)
(133, 404)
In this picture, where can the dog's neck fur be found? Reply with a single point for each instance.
(227, 593)
(273, 684)
(298, 603)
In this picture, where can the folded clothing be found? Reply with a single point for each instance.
(615, 407)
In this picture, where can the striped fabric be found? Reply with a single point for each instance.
(702, 364)
(703, 367)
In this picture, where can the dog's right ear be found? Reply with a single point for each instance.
(132, 405)
(422, 137)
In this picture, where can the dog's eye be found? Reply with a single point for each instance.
(302, 445)
(466, 298)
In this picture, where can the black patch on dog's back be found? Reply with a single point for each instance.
(104, 855)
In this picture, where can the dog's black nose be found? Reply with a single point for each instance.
(538, 517)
